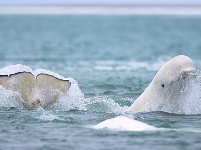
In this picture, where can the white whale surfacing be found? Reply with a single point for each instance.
(36, 89)
(124, 124)
(169, 90)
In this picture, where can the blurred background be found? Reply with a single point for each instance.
(110, 47)
(102, 2)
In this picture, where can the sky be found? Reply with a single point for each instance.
(100, 2)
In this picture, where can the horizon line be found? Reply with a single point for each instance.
(133, 10)
(105, 5)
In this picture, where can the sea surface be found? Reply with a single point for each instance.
(112, 59)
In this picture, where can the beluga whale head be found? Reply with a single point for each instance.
(169, 88)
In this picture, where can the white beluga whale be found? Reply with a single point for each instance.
(169, 88)
(37, 89)
(166, 92)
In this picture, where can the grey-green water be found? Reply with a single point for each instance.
(113, 59)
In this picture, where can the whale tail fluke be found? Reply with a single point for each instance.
(42, 90)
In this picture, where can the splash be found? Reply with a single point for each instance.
(192, 102)
(189, 101)
(72, 100)
(10, 98)
(104, 104)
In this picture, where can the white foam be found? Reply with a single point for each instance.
(104, 104)
(10, 98)
(18, 68)
(122, 123)
(13, 69)
(48, 72)
(73, 99)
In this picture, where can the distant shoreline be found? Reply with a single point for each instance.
(106, 9)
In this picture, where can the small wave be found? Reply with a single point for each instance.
(45, 115)
(104, 104)
(111, 65)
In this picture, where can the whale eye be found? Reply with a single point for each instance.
(162, 85)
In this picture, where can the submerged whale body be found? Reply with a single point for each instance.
(36, 89)
(125, 124)
(169, 89)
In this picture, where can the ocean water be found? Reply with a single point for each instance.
(111, 60)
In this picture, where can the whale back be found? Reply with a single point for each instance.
(168, 88)
(124, 123)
